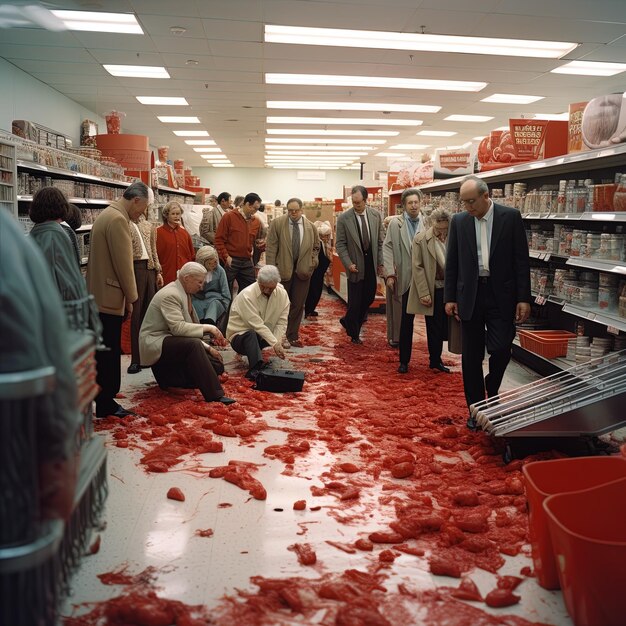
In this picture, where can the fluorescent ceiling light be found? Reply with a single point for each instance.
(323, 140)
(590, 68)
(479, 138)
(223, 165)
(352, 106)
(215, 149)
(503, 128)
(348, 121)
(299, 167)
(511, 98)
(556, 117)
(452, 147)
(99, 22)
(468, 118)
(410, 146)
(390, 154)
(313, 153)
(436, 133)
(326, 80)
(213, 156)
(191, 133)
(340, 37)
(177, 119)
(136, 71)
(199, 142)
(336, 132)
(163, 100)
(272, 146)
(304, 159)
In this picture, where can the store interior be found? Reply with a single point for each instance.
(307, 99)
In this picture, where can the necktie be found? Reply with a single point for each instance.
(295, 241)
(364, 234)
(190, 306)
(484, 244)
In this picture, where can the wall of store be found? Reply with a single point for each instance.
(273, 184)
(25, 98)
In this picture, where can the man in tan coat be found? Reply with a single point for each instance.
(212, 216)
(293, 246)
(111, 280)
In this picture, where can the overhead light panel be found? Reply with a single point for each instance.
(410, 146)
(163, 101)
(468, 118)
(331, 80)
(479, 138)
(421, 42)
(511, 98)
(436, 133)
(199, 142)
(507, 127)
(325, 148)
(390, 154)
(325, 132)
(553, 117)
(136, 71)
(352, 106)
(314, 153)
(191, 133)
(223, 165)
(178, 119)
(214, 156)
(348, 121)
(94, 21)
(215, 149)
(323, 140)
(590, 68)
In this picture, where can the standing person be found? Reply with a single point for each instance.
(73, 221)
(360, 249)
(325, 256)
(261, 238)
(237, 202)
(211, 217)
(148, 278)
(171, 339)
(426, 292)
(293, 246)
(234, 240)
(174, 244)
(258, 318)
(212, 301)
(397, 254)
(487, 284)
(111, 280)
(393, 303)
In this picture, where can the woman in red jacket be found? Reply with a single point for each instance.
(174, 245)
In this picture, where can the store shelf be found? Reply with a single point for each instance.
(73, 200)
(595, 264)
(180, 191)
(589, 216)
(5, 184)
(39, 167)
(593, 314)
(541, 255)
(84, 228)
(539, 363)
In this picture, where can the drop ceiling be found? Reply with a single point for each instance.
(226, 87)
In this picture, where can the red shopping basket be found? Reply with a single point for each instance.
(546, 343)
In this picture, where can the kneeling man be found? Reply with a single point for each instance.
(171, 339)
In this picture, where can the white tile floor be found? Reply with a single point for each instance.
(250, 538)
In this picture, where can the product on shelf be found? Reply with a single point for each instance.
(574, 127)
(114, 122)
(604, 121)
(88, 132)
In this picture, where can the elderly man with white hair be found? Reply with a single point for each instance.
(258, 318)
(171, 339)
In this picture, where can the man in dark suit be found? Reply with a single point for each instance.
(487, 285)
(360, 249)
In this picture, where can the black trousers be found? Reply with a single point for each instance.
(360, 297)
(108, 374)
(316, 286)
(250, 345)
(406, 331)
(185, 363)
(241, 270)
(145, 280)
(487, 328)
(436, 328)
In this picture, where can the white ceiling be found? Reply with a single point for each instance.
(226, 89)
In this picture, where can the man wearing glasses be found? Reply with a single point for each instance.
(487, 285)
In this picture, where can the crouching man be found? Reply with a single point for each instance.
(171, 339)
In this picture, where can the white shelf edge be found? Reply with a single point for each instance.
(595, 315)
(589, 216)
(31, 165)
(180, 191)
(614, 267)
(84, 227)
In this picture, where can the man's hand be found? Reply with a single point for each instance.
(278, 350)
(390, 282)
(214, 352)
(229, 260)
(381, 271)
(522, 312)
(214, 331)
(260, 245)
(159, 280)
(353, 268)
(129, 309)
(426, 301)
(453, 310)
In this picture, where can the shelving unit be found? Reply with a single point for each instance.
(8, 177)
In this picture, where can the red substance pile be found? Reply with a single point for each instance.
(238, 473)
(174, 493)
(208, 532)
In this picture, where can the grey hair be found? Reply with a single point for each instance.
(440, 214)
(412, 191)
(268, 275)
(323, 228)
(168, 207)
(297, 200)
(137, 190)
(206, 253)
(191, 268)
(481, 185)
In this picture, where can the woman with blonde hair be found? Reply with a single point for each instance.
(213, 300)
(426, 291)
(174, 244)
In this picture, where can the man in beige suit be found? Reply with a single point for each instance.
(293, 246)
(397, 255)
(171, 339)
(111, 280)
(211, 217)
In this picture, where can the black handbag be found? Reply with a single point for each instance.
(278, 380)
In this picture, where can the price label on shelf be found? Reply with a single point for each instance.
(591, 316)
(540, 300)
(613, 330)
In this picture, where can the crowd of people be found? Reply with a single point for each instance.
(186, 298)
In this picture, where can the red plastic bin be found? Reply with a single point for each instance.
(588, 531)
(546, 343)
(546, 478)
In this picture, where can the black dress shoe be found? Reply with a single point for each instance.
(225, 400)
(356, 340)
(394, 344)
(119, 412)
(134, 368)
(472, 424)
(403, 368)
(313, 314)
(440, 366)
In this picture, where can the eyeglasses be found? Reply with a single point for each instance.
(471, 201)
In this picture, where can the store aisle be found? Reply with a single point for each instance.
(331, 446)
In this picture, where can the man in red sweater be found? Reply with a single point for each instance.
(234, 240)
